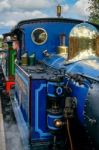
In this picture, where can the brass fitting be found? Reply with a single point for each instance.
(58, 123)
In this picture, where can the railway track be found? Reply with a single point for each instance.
(11, 132)
(2, 135)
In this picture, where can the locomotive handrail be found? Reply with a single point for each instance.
(22, 70)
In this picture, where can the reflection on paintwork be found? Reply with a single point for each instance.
(92, 64)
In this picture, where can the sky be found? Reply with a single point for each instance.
(13, 11)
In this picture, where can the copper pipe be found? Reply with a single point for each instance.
(69, 135)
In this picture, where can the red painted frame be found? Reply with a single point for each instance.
(9, 85)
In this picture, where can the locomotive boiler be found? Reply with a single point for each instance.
(56, 81)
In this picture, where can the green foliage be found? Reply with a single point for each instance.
(0, 42)
(94, 11)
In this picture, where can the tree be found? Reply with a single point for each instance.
(0, 42)
(94, 11)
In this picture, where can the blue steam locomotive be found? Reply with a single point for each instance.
(56, 80)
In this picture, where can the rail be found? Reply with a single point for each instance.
(2, 135)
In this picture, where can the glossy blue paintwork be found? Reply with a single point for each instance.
(82, 66)
(51, 119)
(33, 107)
(80, 93)
(33, 97)
(39, 110)
(51, 88)
(22, 92)
(53, 29)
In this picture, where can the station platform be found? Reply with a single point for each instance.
(2, 135)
